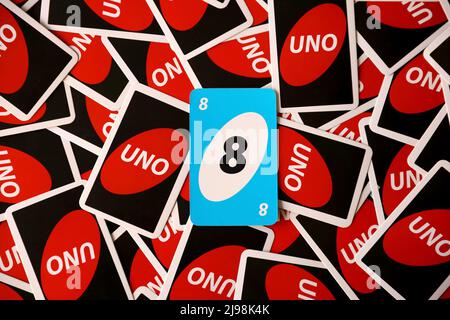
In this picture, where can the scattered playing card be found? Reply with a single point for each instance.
(321, 175)
(434, 144)
(91, 125)
(391, 177)
(129, 19)
(153, 64)
(410, 249)
(61, 262)
(317, 36)
(211, 254)
(409, 100)
(229, 166)
(269, 276)
(56, 111)
(392, 32)
(141, 167)
(193, 27)
(144, 272)
(337, 248)
(33, 163)
(34, 61)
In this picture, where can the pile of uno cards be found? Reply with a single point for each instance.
(122, 175)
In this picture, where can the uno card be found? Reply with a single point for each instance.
(33, 163)
(165, 246)
(92, 123)
(391, 33)
(233, 153)
(411, 247)
(317, 36)
(370, 80)
(104, 18)
(153, 64)
(57, 110)
(85, 161)
(241, 62)
(268, 276)
(144, 272)
(391, 177)
(11, 293)
(321, 175)
(436, 55)
(409, 100)
(141, 167)
(433, 146)
(97, 73)
(347, 125)
(208, 255)
(34, 60)
(62, 263)
(193, 27)
(11, 267)
(337, 248)
(288, 240)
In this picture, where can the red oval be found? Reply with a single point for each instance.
(285, 233)
(399, 15)
(348, 243)
(127, 15)
(9, 265)
(406, 247)
(223, 262)
(7, 117)
(27, 176)
(370, 79)
(299, 69)
(8, 293)
(125, 178)
(258, 13)
(142, 273)
(166, 244)
(316, 186)
(235, 56)
(183, 15)
(66, 239)
(350, 129)
(420, 95)
(165, 72)
(283, 283)
(14, 59)
(445, 295)
(102, 119)
(95, 61)
(399, 181)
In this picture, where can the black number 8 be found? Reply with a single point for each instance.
(233, 161)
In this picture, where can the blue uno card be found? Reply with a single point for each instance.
(234, 157)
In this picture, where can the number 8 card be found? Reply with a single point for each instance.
(234, 157)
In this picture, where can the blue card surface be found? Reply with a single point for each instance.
(234, 157)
